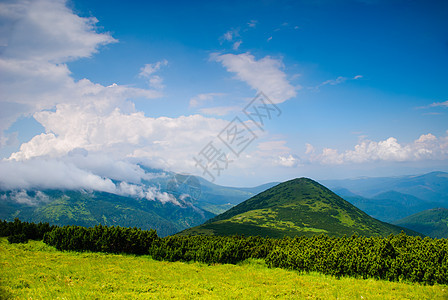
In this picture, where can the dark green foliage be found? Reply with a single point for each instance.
(24, 230)
(210, 249)
(395, 258)
(114, 239)
(17, 238)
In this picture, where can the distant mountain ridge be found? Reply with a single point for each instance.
(390, 199)
(431, 187)
(190, 201)
(200, 200)
(296, 207)
(389, 206)
(93, 208)
(431, 222)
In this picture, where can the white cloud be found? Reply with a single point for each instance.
(288, 161)
(220, 110)
(62, 174)
(93, 133)
(9, 139)
(149, 69)
(426, 147)
(237, 44)
(275, 153)
(22, 197)
(439, 104)
(273, 146)
(156, 82)
(167, 142)
(146, 192)
(200, 99)
(39, 38)
(269, 39)
(338, 80)
(309, 149)
(46, 30)
(252, 23)
(230, 35)
(262, 75)
(133, 190)
(58, 175)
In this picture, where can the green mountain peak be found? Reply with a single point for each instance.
(299, 206)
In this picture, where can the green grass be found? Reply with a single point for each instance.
(37, 271)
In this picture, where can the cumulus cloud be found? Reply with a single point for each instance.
(39, 38)
(426, 147)
(58, 175)
(47, 30)
(165, 142)
(288, 161)
(94, 137)
(264, 75)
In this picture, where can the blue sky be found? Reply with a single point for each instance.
(95, 89)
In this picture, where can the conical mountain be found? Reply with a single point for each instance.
(297, 207)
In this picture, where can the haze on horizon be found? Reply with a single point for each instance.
(91, 91)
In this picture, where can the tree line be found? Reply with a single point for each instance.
(395, 258)
(20, 232)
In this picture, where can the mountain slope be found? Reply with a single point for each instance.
(431, 222)
(217, 199)
(390, 206)
(431, 187)
(165, 201)
(205, 195)
(296, 207)
(92, 208)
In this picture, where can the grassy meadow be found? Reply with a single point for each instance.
(37, 271)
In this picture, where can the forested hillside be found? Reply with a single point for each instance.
(296, 207)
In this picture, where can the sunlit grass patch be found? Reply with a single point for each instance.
(35, 270)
